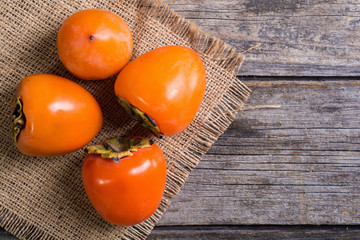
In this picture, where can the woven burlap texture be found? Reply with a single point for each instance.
(43, 198)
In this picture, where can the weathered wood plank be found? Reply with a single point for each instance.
(256, 232)
(299, 38)
(245, 232)
(5, 235)
(296, 164)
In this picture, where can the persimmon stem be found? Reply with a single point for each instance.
(18, 118)
(120, 147)
(113, 147)
(143, 118)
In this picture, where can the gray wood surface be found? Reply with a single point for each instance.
(291, 157)
(298, 37)
(257, 232)
(5, 235)
(246, 232)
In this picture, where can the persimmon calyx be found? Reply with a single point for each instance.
(18, 118)
(117, 148)
(140, 116)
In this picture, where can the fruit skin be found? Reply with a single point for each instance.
(61, 116)
(94, 44)
(128, 192)
(167, 83)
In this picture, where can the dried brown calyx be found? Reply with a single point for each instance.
(18, 118)
(117, 148)
(140, 116)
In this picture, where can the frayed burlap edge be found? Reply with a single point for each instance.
(20, 227)
(218, 121)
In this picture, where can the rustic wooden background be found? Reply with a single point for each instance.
(289, 165)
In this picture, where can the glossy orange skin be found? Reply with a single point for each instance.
(167, 83)
(128, 192)
(98, 58)
(61, 116)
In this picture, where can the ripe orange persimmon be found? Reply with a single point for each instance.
(126, 182)
(53, 115)
(163, 88)
(94, 44)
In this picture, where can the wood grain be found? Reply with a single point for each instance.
(256, 232)
(5, 235)
(245, 232)
(298, 37)
(297, 164)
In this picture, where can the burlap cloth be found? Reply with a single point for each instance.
(43, 198)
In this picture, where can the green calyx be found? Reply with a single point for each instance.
(141, 117)
(18, 118)
(117, 148)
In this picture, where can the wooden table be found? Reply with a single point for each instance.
(289, 165)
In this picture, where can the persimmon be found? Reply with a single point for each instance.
(163, 88)
(124, 178)
(53, 115)
(94, 44)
